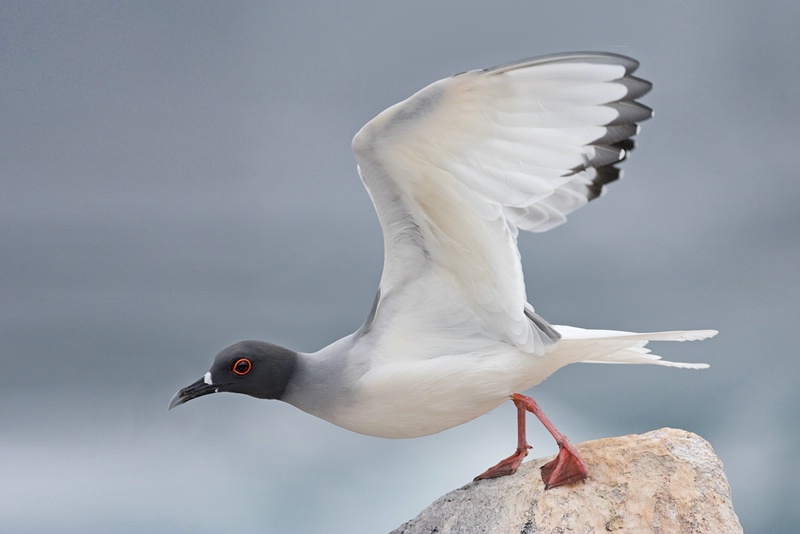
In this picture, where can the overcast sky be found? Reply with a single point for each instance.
(177, 176)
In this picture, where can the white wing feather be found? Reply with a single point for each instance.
(455, 170)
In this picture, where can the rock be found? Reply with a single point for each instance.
(664, 481)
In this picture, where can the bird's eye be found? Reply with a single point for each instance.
(242, 366)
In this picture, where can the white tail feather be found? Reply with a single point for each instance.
(611, 346)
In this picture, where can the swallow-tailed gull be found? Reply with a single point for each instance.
(455, 171)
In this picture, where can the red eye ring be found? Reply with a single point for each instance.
(242, 366)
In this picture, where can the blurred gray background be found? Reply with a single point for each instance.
(177, 176)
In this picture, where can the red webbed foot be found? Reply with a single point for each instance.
(566, 468)
(505, 467)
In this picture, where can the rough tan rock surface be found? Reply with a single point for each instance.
(665, 481)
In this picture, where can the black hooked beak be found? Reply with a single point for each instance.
(197, 389)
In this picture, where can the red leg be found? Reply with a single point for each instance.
(509, 465)
(566, 468)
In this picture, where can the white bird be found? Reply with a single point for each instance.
(455, 171)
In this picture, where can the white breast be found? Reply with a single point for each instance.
(414, 398)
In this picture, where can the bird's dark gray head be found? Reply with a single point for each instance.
(254, 368)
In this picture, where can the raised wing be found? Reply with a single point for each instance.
(455, 171)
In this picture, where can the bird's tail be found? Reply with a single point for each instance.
(611, 346)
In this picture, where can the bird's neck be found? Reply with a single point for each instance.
(323, 380)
